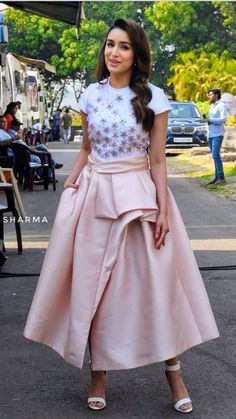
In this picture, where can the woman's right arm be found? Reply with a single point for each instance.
(82, 158)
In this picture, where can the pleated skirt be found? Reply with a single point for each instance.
(102, 276)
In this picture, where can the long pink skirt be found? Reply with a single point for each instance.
(102, 275)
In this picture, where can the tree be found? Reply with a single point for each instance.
(109, 11)
(172, 27)
(228, 10)
(80, 57)
(33, 36)
(195, 74)
(190, 25)
(76, 59)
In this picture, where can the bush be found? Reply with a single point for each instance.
(76, 118)
(231, 121)
(204, 107)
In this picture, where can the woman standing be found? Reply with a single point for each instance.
(10, 114)
(112, 275)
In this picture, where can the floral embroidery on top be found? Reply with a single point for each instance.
(112, 126)
(119, 98)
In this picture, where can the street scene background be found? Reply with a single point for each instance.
(194, 49)
(38, 383)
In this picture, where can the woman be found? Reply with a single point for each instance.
(117, 279)
(10, 114)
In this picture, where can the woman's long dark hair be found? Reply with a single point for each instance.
(9, 109)
(141, 70)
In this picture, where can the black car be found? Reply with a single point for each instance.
(186, 126)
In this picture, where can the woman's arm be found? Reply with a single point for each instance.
(159, 175)
(82, 158)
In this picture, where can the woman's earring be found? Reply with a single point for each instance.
(135, 63)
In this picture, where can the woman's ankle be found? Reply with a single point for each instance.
(172, 361)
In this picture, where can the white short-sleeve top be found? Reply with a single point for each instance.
(112, 126)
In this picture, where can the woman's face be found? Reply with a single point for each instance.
(118, 53)
(15, 109)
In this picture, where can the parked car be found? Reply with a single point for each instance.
(186, 126)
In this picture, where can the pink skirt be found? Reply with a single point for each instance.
(102, 275)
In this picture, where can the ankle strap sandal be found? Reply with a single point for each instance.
(179, 403)
(96, 399)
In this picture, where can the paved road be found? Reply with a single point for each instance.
(37, 384)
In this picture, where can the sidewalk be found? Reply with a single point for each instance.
(37, 384)
(197, 164)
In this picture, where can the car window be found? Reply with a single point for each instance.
(180, 110)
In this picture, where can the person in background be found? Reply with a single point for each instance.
(66, 125)
(10, 114)
(26, 135)
(5, 138)
(216, 120)
(47, 130)
(15, 131)
(14, 136)
(57, 124)
(19, 115)
(36, 131)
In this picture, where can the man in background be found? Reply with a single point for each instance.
(216, 120)
(57, 125)
(5, 138)
(66, 125)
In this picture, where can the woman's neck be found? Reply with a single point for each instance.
(119, 81)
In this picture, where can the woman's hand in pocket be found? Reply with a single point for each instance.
(69, 184)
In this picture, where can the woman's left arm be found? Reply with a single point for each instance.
(159, 175)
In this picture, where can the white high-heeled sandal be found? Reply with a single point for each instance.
(96, 399)
(177, 404)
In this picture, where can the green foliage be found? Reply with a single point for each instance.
(187, 25)
(76, 119)
(57, 42)
(204, 107)
(231, 171)
(231, 121)
(194, 34)
(81, 56)
(108, 11)
(228, 10)
(33, 36)
(195, 74)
